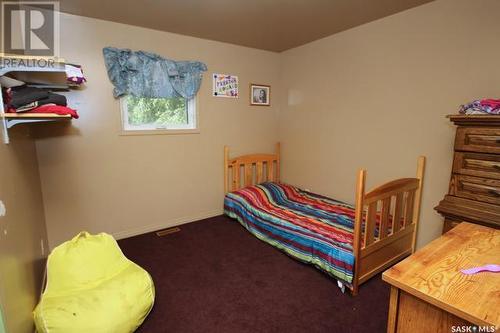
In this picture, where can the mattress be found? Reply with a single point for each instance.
(308, 227)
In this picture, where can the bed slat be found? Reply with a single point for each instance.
(396, 221)
(278, 158)
(260, 168)
(248, 174)
(384, 218)
(270, 171)
(371, 217)
(236, 176)
(408, 214)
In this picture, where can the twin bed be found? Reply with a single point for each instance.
(351, 243)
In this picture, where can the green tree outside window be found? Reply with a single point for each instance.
(158, 111)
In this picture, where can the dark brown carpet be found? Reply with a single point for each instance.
(214, 276)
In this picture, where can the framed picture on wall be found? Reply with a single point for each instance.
(260, 94)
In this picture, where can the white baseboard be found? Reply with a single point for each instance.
(167, 224)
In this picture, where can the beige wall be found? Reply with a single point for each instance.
(376, 97)
(21, 232)
(94, 179)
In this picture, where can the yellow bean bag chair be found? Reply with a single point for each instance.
(93, 288)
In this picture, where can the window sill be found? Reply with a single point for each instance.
(160, 132)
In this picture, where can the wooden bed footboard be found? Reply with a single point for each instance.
(386, 221)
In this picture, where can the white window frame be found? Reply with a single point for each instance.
(191, 127)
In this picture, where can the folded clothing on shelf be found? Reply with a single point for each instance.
(74, 74)
(483, 106)
(51, 99)
(24, 98)
(19, 96)
(55, 109)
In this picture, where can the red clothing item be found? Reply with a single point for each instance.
(493, 103)
(56, 109)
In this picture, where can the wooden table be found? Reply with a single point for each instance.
(430, 294)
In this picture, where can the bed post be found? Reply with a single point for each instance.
(418, 199)
(278, 152)
(226, 159)
(358, 221)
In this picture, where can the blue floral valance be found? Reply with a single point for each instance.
(145, 74)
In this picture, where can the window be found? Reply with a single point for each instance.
(158, 114)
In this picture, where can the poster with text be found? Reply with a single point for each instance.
(225, 85)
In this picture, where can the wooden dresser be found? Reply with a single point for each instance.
(474, 193)
(429, 293)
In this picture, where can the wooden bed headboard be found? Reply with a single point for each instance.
(250, 169)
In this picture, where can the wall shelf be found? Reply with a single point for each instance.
(10, 120)
(31, 64)
(58, 68)
(33, 116)
(28, 65)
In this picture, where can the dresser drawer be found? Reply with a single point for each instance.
(475, 188)
(480, 165)
(477, 139)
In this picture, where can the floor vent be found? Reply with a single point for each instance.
(165, 232)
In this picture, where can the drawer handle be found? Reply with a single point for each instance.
(494, 193)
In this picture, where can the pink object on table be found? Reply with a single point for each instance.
(486, 268)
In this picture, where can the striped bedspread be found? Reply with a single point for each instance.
(306, 226)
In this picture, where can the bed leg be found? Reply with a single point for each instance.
(341, 286)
